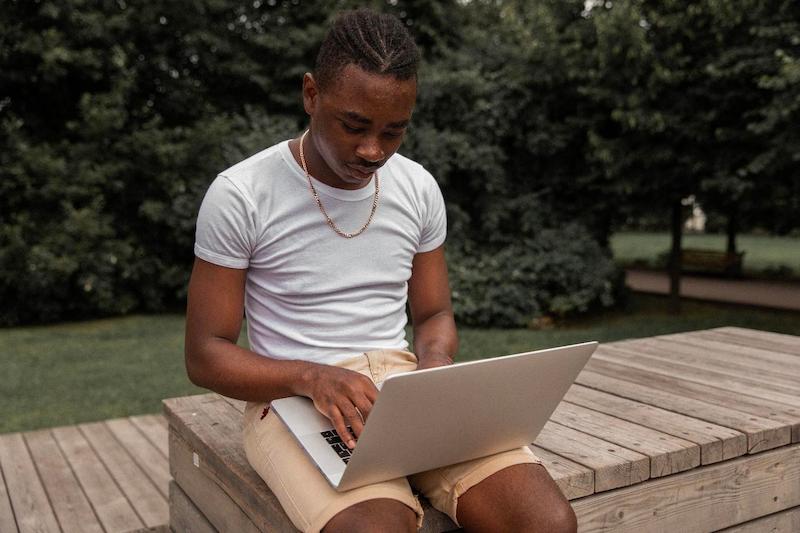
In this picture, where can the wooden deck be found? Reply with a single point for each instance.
(694, 431)
(102, 476)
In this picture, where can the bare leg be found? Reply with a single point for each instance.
(379, 516)
(520, 498)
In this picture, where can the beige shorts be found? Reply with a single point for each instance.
(307, 497)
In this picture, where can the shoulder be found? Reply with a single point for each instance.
(411, 175)
(252, 174)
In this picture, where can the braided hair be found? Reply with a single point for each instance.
(376, 42)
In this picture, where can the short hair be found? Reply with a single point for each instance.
(376, 42)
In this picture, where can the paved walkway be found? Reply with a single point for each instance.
(775, 294)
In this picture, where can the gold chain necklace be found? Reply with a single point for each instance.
(330, 221)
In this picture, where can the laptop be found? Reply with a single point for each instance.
(440, 416)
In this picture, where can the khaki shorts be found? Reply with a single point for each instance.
(305, 494)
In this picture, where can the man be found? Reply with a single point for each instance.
(321, 240)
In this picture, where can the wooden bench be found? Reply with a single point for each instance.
(694, 259)
(690, 432)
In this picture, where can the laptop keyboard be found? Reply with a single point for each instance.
(341, 449)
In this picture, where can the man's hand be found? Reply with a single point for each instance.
(344, 396)
(432, 361)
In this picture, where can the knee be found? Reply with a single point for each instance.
(385, 516)
(558, 518)
(568, 520)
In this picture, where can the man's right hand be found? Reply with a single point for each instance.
(344, 396)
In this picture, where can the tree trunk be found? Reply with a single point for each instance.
(732, 229)
(676, 228)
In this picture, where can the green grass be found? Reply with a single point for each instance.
(764, 255)
(78, 372)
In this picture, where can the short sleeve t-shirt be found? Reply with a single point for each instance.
(311, 294)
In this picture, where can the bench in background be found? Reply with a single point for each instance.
(698, 260)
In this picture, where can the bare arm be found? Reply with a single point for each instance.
(435, 338)
(214, 361)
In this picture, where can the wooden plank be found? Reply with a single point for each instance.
(717, 443)
(751, 387)
(755, 406)
(183, 515)
(155, 430)
(711, 358)
(163, 528)
(721, 344)
(7, 521)
(109, 503)
(699, 500)
(239, 405)
(198, 482)
(32, 510)
(668, 394)
(206, 423)
(667, 454)
(787, 521)
(574, 480)
(768, 340)
(614, 466)
(73, 511)
(150, 505)
(147, 456)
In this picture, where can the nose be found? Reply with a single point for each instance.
(370, 150)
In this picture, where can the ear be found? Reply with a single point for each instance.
(310, 93)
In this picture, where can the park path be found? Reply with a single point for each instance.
(763, 293)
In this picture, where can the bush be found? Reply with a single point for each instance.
(557, 272)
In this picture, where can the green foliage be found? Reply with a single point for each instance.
(537, 119)
(557, 272)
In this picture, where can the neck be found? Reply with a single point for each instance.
(318, 168)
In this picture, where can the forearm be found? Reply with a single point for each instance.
(228, 369)
(436, 340)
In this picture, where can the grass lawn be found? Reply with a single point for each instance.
(764, 255)
(78, 372)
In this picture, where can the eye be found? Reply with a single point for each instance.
(350, 129)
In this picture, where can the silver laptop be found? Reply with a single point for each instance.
(440, 416)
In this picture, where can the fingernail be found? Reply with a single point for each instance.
(351, 443)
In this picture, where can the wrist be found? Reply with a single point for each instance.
(304, 378)
(434, 359)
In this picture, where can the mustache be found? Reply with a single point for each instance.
(370, 165)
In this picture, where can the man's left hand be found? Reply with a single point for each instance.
(432, 361)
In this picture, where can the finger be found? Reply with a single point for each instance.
(364, 407)
(372, 394)
(341, 427)
(354, 420)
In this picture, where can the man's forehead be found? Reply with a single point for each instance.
(361, 119)
(352, 78)
(360, 96)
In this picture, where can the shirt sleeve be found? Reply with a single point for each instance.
(434, 228)
(226, 226)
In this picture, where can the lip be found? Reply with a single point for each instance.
(360, 172)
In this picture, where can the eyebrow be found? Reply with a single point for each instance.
(355, 117)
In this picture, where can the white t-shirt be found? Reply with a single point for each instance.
(311, 294)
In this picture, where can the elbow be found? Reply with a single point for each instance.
(196, 370)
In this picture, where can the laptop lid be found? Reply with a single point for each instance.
(440, 416)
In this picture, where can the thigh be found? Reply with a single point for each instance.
(517, 498)
(306, 496)
(444, 486)
(384, 515)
